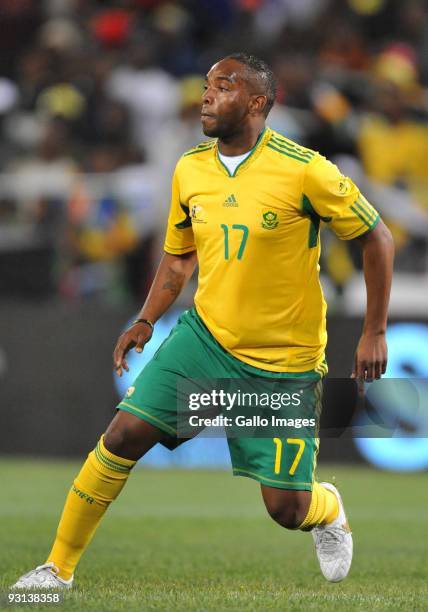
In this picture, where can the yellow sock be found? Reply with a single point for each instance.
(99, 482)
(323, 508)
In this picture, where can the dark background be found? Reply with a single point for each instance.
(57, 388)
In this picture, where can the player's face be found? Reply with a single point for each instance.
(226, 100)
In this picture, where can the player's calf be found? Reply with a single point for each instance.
(287, 507)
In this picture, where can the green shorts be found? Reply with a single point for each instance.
(191, 352)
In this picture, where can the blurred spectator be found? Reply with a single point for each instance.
(138, 186)
(104, 120)
(393, 143)
(112, 27)
(111, 225)
(343, 47)
(35, 72)
(19, 22)
(186, 130)
(40, 180)
(148, 91)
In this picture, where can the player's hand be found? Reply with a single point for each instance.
(371, 357)
(136, 336)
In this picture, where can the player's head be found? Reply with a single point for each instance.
(240, 89)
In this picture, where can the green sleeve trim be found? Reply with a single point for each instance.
(368, 214)
(371, 228)
(367, 207)
(360, 216)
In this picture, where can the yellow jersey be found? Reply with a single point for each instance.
(256, 234)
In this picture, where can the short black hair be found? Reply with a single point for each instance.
(263, 73)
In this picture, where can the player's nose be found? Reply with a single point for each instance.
(207, 96)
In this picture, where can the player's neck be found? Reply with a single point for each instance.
(242, 142)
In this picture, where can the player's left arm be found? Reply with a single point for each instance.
(378, 255)
(337, 201)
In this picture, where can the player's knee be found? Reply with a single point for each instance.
(289, 515)
(115, 440)
(120, 441)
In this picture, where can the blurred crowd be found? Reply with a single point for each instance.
(99, 99)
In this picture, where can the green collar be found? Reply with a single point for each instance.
(244, 162)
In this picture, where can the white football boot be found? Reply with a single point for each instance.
(333, 543)
(43, 577)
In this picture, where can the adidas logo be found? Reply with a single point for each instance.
(230, 201)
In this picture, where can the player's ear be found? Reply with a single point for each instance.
(256, 104)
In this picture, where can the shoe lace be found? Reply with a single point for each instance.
(329, 540)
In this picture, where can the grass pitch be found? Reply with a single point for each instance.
(202, 541)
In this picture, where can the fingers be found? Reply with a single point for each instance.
(355, 369)
(360, 369)
(118, 356)
(141, 340)
(370, 358)
(122, 347)
(120, 366)
(380, 368)
(368, 370)
(124, 344)
(377, 370)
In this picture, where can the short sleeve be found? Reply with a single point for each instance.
(335, 199)
(179, 234)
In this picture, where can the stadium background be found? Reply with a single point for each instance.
(97, 102)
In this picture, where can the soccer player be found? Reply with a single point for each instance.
(246, 206)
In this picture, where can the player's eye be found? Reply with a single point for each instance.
(223, 89)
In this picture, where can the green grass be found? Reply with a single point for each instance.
(202, 541)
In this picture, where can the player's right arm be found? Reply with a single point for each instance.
(172, 275)
(175, 269)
